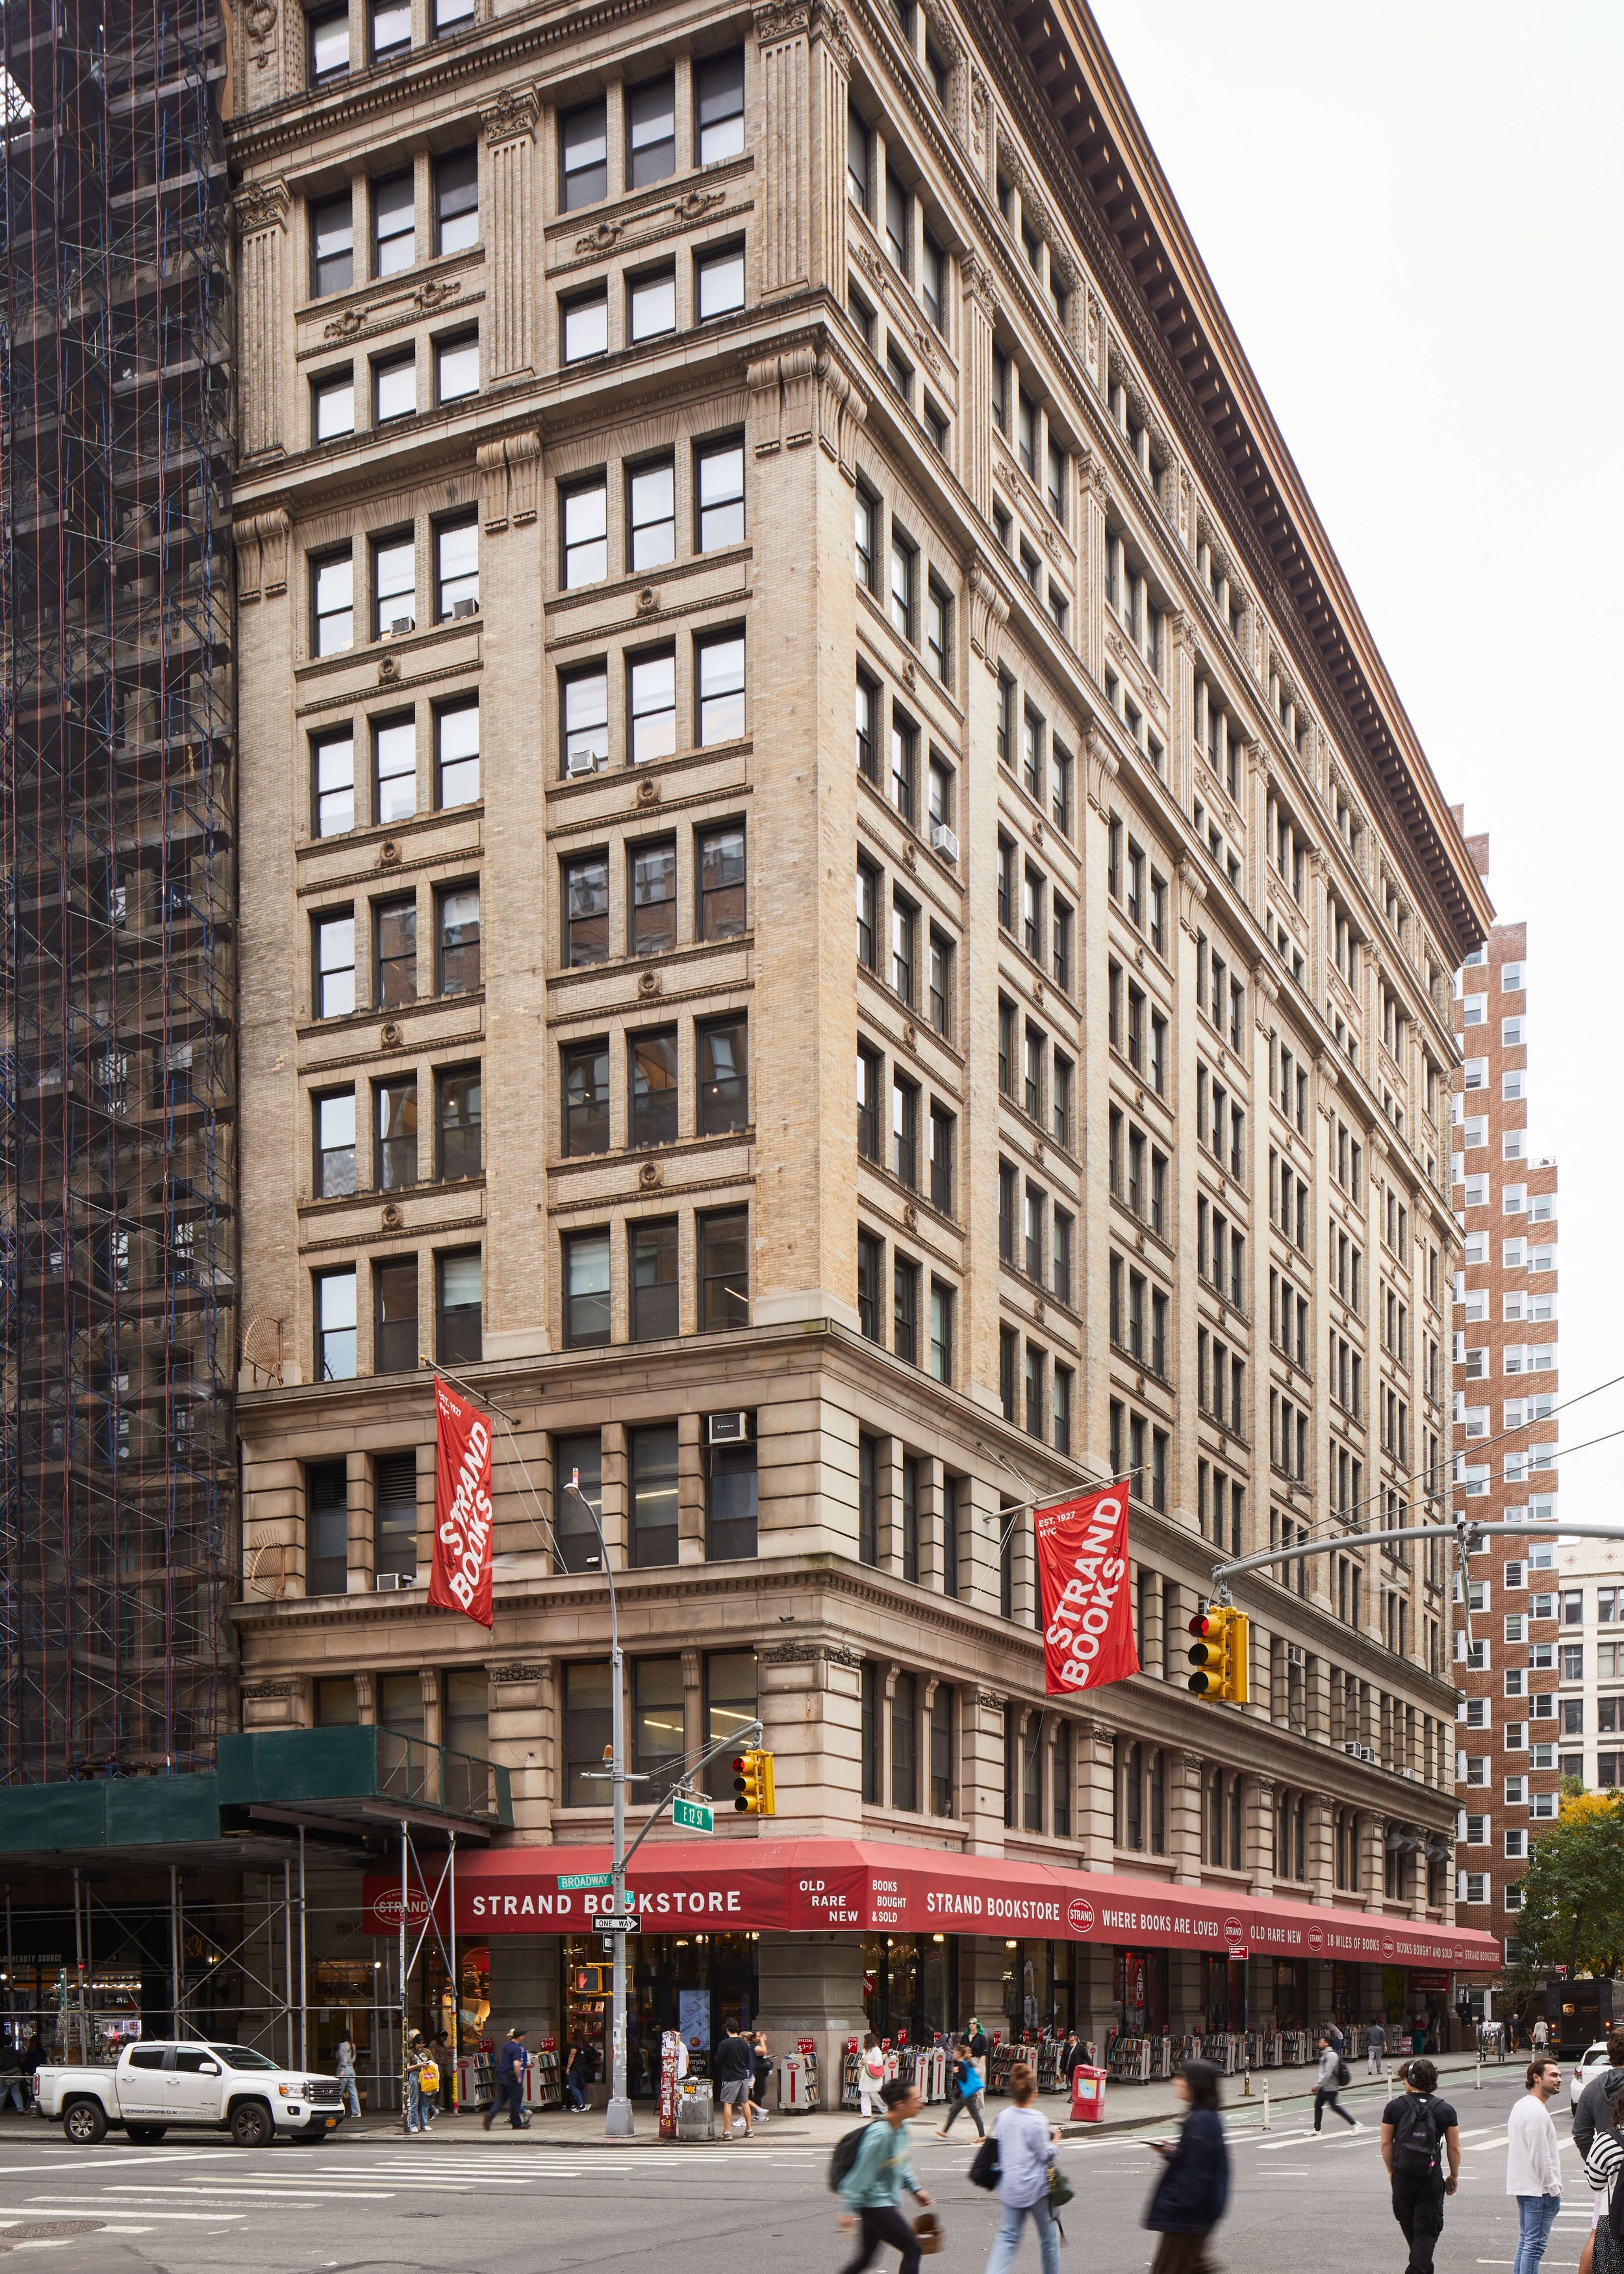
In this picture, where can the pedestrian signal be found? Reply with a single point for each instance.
(752, 1792)
(1219, 1654)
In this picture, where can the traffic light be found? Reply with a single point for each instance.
(753, 1793)
(1220, 1653)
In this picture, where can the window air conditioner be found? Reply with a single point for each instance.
(464, 608)
(1351, 1749)
(727, 1429)
(399, 626)
(1367, 1753)
(386, 1582)
(580, 762)
(943, 840)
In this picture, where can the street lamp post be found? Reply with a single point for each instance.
(618, 2116)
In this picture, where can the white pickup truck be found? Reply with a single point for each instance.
(220, 2088)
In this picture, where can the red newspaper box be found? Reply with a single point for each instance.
(1087, 2094)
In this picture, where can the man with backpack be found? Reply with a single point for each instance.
(1333, 2074)
(1418, 2132)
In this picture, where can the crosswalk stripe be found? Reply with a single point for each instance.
(79, 2206)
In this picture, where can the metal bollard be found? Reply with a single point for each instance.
(1266, 2111)
(1477, 2075)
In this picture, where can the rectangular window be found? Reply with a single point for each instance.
(394, 953)
(395, 1515)
(457, 201)
(391, 28)
(719, 105)
(585, 318)
(457, 1308)
(456, 566)
(731, 1514)
(336, 1325)
(942, 1343)
(657, 1718)
(904, 562)
(456, 754)
(720, 676)
(731, 1701)
(335, 1145)
(583, 153)
(724, 1270)
(394, 769)
(585, 1070)
(903, 764)
(905, 1744)
(721, 860)
(654, 1280)
(652, 704)
(332, 602)
(650, 132)
(584, 697)
(651, 305)
(328, 53)
(652, 1061)
(584, 533)
(394, 1316)
(332, 234)
(941, 981)
(589, 1727)
(395, 1117)
(724, 1078)
(393, 225)
(458, 1120)
(334, 959)
(586, 1290)
(719, 494)
(904, 1310)
(332, 400)
(457, 912)
(718, 282)
(941, 1160)
(903, 945)
(867, 914)
(653, 912)
(870, 1263)
(858, 170)
(456, 367)
(395, 584)
(333, 782)
(327, 1529)
(651, 513)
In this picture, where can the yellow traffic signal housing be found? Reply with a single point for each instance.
(1220, 1654)
(753, 1785)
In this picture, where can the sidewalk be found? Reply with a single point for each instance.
(1128, 2106)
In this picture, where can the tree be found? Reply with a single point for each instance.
(1571, 1913)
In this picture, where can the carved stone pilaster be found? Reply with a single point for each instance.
(261, 210)
(1191, 893)
(1102, 767)
(989, 611)
(841, 411)
(509, 197)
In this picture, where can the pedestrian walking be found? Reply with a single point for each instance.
(1333, 2076)
(871, 2074)
(1072, 2053)
(977, 2038)
(735, 2063)
(511, 2063)
(761, 2076)
(1333, 2030)
(872, 2189)
(577, 2079)
(1540, 2038)
(1601, 2095)
(1193, 2190)
(1420, 2134)
(1533, 2163)
(13, 2085)
(1375, 2048)
(1604, 2160)
(418, 2119)
(968, 2091)
(344, 2070)
(1027, 2143)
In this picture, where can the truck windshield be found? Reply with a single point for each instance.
(241, 2057)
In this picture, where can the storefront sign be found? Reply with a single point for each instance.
(737, 1885)
(461, 1578)
(1082, 1547)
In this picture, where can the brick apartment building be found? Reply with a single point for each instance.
(1521, 1724)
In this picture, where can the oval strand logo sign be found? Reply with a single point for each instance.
(461, 1578)
(1082, 1547)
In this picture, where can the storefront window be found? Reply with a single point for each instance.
(657, 1721)
(730, 1694)
(1288, 1994)
(1139, 2007)
(692, 1982)
(910, 1985)
(588, 1725)
(1037, 1986)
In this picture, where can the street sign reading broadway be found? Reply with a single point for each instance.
(693, 1816)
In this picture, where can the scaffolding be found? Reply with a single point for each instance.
(118, 1058)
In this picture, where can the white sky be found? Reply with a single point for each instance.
(1413, 211)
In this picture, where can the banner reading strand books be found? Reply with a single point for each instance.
(1083, 1573)
(461, 1580)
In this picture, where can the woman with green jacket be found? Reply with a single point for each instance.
(872, 2189)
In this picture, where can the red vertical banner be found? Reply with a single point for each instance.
(461, 1578)
(1082, 1547)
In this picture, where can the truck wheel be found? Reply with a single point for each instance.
(85, 2122)
(144, 2135)
(251, 2124)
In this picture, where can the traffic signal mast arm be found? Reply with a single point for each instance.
(751, 1737)
(1466, 1532)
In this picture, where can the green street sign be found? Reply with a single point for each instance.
(585, 1880)
(693, 1816)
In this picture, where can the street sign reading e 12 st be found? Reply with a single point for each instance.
(693, 1816)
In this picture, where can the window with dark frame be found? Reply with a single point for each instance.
(457, 935)
(652, 1251)
(585, 1081)
(332, 769)
(576, 1546)
(905, 1309)
(870, 1265)
(586, 910)
(720, 861)
(333, 938)
(730, 1505)
(327, 1528)
(394, 953)
(583, 154)
(332, 226)
(457, 201)
(457, 1114)
(723, 1077)
(653, 910)
(395, 1139)
(458, 1307)
(724, 1270)
(650, 132)
(651, 1059)
(718, 493)
(394, 1316)
(334, 1123)
(586, 1290)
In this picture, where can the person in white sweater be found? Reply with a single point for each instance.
(1533, 2166)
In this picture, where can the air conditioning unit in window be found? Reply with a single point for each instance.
(727, 1429)
(387, 1582)
(1367, 1753)
(943, 840)
(464, 608)
(399, 626)
(580, 762)
(1352, 1752)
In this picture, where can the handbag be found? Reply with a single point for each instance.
(1060, 2188)
(428, 2077)
(985, 2169)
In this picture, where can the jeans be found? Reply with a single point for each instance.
(1419, 2207)
(348, 2098)
(974, 2103)
(1536, 2217)
(572, 2093)
(1326, 2097)
(416, 2108)
(1006, 2242)
(17, 2093)
(885, 2224)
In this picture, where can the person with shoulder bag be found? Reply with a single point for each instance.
(1417, 2130)
(872, 2184)
(1604, 2160)
(871, 2074)
(967, 2092)
(1025, 2143)
(1193, 2191)
(1333, 2076)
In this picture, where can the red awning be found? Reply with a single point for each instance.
(868, 1886)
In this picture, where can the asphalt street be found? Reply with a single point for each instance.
(469, 2203)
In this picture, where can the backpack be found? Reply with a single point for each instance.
(1415, 2136)
(1344, 2074)
(845, 2155)
(986, 2169)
